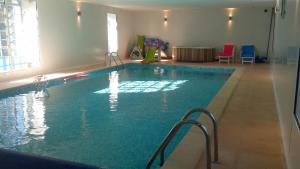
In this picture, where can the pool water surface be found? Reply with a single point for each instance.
(114, 118)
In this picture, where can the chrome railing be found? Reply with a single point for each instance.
(184, 121)
(114, 56)
(215, 128)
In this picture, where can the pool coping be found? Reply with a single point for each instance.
(189, 151)
(23, 82)
(61, 76)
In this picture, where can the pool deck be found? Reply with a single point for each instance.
(249, 132)
(249, 129)
(61, 74)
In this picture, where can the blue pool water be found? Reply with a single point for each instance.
(114, 118)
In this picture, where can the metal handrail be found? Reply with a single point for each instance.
(117, 55)
(170, 136)
(215, 128)
(107, 55)
(111, 56)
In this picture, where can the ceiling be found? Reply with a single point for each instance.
(177, 4)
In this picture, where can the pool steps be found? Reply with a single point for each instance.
(186, 121)
(113, 56)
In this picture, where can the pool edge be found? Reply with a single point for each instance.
(68, 74)
(189, 151)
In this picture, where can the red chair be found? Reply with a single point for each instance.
(227, 54)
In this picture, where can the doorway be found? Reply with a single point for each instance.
(112, 32)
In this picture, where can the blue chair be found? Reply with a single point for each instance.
(248, 54)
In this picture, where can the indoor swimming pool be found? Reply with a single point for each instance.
(113, 118)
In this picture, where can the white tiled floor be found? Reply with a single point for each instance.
(249, 129)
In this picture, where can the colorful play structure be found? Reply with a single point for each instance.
(149, 49)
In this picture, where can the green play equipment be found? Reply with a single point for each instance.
(140, 42)
(150, 55)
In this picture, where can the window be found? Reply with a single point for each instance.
(11, 2)
(18, 35)
(112, 32)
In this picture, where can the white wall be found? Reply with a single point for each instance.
(66, 42)
(287, 35)
(206, 27)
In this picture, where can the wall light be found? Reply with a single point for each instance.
(165, 15)
(78, 13)
(230, 13)
(166, 19)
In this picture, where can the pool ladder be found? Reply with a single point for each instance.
(186, 121)
(113, 56)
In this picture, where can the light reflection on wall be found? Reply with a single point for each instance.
(145, 86)
(78, 10)
(230, 12)
(22, 120)
(166, 14)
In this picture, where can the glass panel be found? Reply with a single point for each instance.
(10, 2)
(18, 35)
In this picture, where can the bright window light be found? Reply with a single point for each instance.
(114, 90)
(18, 35)
(112, 32)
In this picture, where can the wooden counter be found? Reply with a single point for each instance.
(194, 54)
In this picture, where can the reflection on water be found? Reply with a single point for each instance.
(22, 118)
(142, 86)
(116, 87)
(114, 90)
(36, 117)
